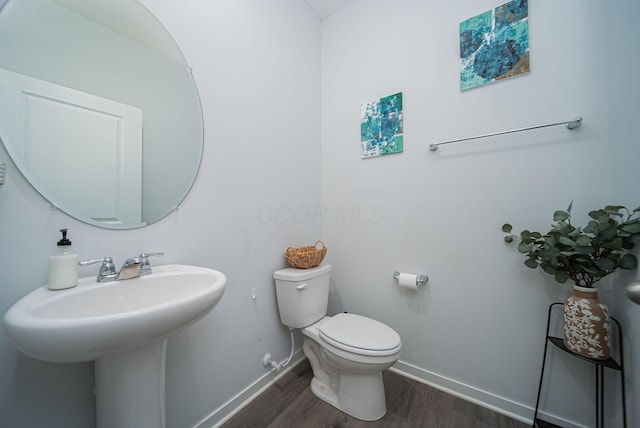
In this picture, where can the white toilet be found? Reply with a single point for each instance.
(347, 352)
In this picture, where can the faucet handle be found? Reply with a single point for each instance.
(145, 266)
(146, 255)
(107, 271)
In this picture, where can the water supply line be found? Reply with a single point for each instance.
(267, 360)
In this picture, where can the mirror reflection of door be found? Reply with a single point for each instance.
(71, 142)
(119, 51)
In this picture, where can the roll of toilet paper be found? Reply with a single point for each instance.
(408, 280)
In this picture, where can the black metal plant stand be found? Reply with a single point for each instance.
(600, 365)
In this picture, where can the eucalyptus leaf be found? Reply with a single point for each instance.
(607, 234)
(593, 270)
(568, 253)
(566, 241)
(592, 227)
(523, 247)
(632, 227)
(531, 263)
(605, 263)
(549, 268)
(565, 228)
(548, 253)
(581, 249)
(560, 216)
(628, 244)
(583, 241)
(615, 244)
(614, 209)
(507, 228)
(575, 234)
(628, 261)
(570, 206)
(561, 277)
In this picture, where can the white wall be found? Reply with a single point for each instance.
(478, 326)
(257, 66)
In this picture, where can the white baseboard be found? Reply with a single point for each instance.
(496, 403)
(229, 409)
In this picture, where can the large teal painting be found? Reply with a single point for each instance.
(381, 126)
(494, 45)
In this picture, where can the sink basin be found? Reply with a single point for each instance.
(123, 326)
(92, 319)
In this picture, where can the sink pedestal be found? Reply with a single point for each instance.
(130, 388)
(121, 325)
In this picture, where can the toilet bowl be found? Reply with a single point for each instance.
(347, 352)
(347, 366)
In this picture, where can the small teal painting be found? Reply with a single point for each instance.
(381, 126)
(494, 45)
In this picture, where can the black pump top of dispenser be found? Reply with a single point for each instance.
(64, 242)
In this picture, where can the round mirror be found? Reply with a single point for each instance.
(98, 109)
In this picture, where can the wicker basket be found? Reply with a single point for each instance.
(306, 257)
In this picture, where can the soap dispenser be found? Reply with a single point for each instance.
(63, 265)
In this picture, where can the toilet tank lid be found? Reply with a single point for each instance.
(294, 274)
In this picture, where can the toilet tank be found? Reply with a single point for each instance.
(303, 294)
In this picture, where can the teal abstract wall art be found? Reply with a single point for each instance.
(381, 126)
(494, 45)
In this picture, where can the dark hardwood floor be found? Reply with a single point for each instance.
(290, 403)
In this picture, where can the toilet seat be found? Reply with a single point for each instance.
(360, 335)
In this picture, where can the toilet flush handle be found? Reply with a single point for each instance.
(301, 286)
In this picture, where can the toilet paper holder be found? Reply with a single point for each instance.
(420, 279)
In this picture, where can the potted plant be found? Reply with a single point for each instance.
(584, 255)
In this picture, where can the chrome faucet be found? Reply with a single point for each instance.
(130, 269)
(133, 267)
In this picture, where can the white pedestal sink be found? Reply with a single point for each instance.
(123, 326)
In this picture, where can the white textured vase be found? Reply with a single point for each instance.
(586, 324)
